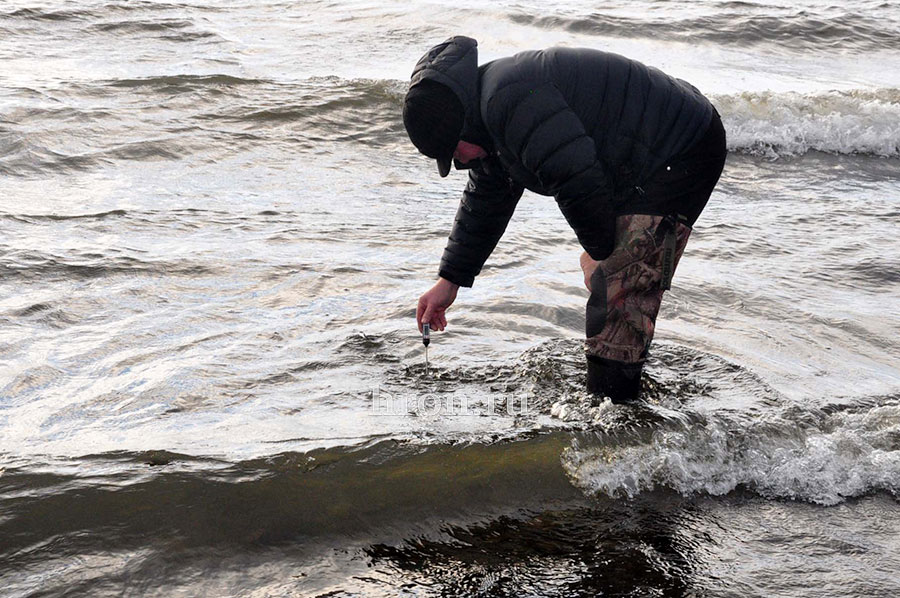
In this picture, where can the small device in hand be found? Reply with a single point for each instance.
(426, 338)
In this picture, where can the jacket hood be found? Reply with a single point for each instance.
(454, 63)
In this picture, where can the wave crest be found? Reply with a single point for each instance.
(733, 26)
(838, 122)
(821, 456)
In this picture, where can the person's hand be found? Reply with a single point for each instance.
(588, 266)
(434, 303)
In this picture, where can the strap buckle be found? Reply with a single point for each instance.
(670, 245)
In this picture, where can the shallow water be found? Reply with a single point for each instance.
(213, 231)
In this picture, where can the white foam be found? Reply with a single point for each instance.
(800, 455)
(790, 123)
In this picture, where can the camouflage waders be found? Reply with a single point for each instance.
(626, 292)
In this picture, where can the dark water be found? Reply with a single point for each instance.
(212, 235)
(389, 519)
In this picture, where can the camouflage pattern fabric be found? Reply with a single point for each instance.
(625, 288)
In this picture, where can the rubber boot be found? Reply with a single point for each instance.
(621, 382)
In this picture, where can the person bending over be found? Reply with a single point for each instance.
(630, 154)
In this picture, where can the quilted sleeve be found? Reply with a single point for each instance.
(487, 204)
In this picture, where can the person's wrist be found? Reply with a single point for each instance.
(446, 283)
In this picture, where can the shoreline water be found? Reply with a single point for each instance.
(213, 231)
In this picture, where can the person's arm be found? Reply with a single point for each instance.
(548, 138)
(487, 204)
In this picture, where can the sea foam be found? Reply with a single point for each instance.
(801, 454)
(789, 124)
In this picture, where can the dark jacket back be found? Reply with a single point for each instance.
(585, 126)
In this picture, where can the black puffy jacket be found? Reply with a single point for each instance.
(585, 126)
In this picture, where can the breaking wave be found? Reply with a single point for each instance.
(708, 426)
(823, 456)
(788, 124)
(229, 112)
